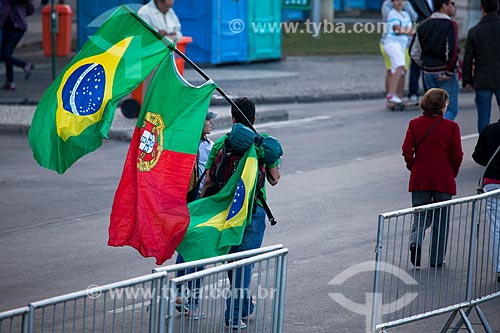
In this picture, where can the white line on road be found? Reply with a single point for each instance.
(469, 136)
(279, 124)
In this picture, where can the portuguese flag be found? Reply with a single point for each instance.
(77, 110)
(218, 222)
(150, 210)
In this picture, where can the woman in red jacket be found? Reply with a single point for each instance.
(432, 150)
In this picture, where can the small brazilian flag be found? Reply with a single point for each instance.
(218, 222)
(77, 110)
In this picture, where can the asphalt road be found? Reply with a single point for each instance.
(342, 167)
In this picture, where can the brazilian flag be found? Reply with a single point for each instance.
(218, 222)
(77, 110)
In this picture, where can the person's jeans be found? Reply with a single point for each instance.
(451, 86)
(414, 77)
(252, 239)
(493, 216)
(10, 39)
(435, 218)
(193, 293)
(483, 106)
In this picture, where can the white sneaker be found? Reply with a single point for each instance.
(395, 100)
(413, 98)
(235, 327)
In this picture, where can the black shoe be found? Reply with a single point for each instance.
(438, 265)
(415, 254)
(9, 86)
(498, 277)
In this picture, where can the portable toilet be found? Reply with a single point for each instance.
(373, 4)
(218, 31)
(92, 13)
(264, 30)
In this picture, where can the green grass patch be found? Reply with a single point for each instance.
(339, 42)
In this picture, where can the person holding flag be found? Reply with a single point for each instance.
(253, 234)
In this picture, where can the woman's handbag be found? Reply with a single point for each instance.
(480, 183)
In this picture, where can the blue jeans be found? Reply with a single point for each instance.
(435, 218)
(483, 106)
(413, 81)
(451, 86)
(252, 239)
(193, 296)
(493, 217)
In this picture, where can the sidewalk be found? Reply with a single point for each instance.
(293, 79)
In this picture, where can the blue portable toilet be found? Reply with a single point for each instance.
(218, 31)
(373, 4)
(92, 13)
(342, 5)
(294, 15)
(264, 35)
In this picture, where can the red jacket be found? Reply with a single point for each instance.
(438, 158)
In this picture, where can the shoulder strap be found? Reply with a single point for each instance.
(491, 159)
(426, 135)
(266, 208)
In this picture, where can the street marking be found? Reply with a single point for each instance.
(277, 124)
(469, 136)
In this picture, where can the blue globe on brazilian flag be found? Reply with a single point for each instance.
(77, 110)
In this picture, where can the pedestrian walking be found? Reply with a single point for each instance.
(423, 9)
(481, 65)
(191, 297)
(486, 154)
(433, 154)
(435, 49)
(13, 23)
(240, 305)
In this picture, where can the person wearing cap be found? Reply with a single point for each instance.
(191, 304)
(205, 146)
(160, 15)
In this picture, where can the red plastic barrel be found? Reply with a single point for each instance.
(138, 93)
(63, 30)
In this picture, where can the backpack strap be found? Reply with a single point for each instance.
(269, 214)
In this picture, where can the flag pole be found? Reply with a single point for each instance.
(206, 77)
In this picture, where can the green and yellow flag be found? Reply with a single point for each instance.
(218, 222)
(77, 110)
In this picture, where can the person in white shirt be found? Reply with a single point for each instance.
(160, 15)
(387, 5)
(399, 28)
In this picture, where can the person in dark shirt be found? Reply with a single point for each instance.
(435, 49)
(481, 66)
(13, 15)
(486, 149)
(424, 11)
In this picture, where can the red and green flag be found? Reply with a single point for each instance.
(218, 222)
(150, 211)
(77, 110)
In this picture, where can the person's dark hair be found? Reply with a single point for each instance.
(489, 6)
(439, 3)
(248, 109)
(434, 102)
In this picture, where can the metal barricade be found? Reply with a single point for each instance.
(458, 262)
(214, 295)
(140, 304)
(14, 320)
(114, 307)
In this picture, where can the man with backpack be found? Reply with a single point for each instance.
(254, 232)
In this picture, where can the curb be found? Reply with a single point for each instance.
(223, 122)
